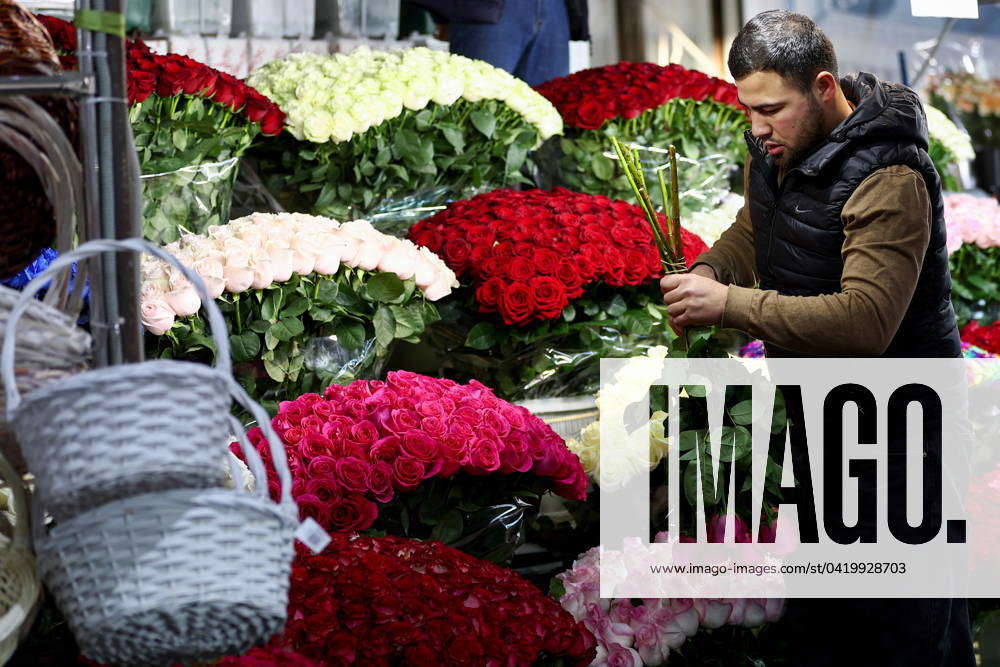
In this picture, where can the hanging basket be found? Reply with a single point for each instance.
(20, 591)
(50, 348)
(179, 575)
(122, 430)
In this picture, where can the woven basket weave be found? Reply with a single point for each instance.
(26, 217)
(123, 430)
(20, 591)
(50, 347)
(179, 575)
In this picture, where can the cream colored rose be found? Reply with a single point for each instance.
(400, 258)
(184, 301)
(238, 278)
(157, 316)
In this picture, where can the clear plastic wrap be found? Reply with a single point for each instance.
(332, 363)
(396, 215)
(189, 199)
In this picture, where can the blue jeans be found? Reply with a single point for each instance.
(531, 40)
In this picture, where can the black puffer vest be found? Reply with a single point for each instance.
(798, 232)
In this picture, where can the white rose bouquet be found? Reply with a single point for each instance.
(948, 145)
(371, 126)
(308, 301)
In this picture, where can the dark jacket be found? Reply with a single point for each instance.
(798, 231)
(489, 11)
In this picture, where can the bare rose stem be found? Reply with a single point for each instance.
(636, 180)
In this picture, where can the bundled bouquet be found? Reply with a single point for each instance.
(389, 600)
(372, 126)
(309, 301)
(948, 145)
(974, 246)
(191, 125)
(644, 632)
(422, 457)
(651, 106)
(556, 280)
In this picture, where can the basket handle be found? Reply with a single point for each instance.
(278, 456)
(254, 462)
(218, 325)
(22, 521)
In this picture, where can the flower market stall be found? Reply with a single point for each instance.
(362, 423)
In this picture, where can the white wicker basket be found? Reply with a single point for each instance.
(178, 575)
(20, 591)
(50, 347)
(119, 431)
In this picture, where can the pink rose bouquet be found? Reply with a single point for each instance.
(421, 457)
(309, 301)
(974, 245)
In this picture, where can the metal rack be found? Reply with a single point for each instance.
(109, 173)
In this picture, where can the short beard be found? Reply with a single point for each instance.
(812, 136)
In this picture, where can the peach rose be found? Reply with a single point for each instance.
(157, 316)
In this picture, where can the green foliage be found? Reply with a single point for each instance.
(560, 357)
(697, 129)
(463, 145)
(180, 141)
(273, 331)
(975, 283)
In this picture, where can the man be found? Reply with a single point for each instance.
(843, 235)
(528, 38)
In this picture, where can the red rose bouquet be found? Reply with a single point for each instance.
(421, 457)
(191, 124)
(391, 600)
(555, 281)
(650, 106)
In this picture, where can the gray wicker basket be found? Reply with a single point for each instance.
(179, 575)
(122, 430)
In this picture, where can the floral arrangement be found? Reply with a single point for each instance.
(191, 124)
(974, 243)
(372, 126)
(556, 280)
(358, 448)
(645, 632)
(308, 300)
(647, 105)
(948, 145)
(390, 600)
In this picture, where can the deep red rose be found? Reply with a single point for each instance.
(257, 106)
(516, 303)
(590, 115)
(353, 474)
(520, 269)
(311, 506)
(353, 512)
(550, 296)
(408, 471)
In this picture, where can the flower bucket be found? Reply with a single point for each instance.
(190, 199)
(105, 434)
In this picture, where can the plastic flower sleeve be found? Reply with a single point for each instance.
(187, 200)
(332, 363)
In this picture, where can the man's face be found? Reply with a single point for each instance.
(789, 121)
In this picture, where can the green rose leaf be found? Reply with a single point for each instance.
(286, 329)
(385, 287)
(385, 326)
(484, 121)
(482, 336)
(350, 334)
(244, 347)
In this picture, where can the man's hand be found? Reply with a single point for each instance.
(693, 299)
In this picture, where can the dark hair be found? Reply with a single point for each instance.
(784, 42)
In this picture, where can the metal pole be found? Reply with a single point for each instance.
(945, 29)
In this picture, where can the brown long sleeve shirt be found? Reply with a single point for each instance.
(887, 222)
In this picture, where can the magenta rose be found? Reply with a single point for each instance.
(408, 471)
(352, 512)
(380, 481)
(419, 445)
(353, 474)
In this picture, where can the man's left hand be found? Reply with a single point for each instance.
(693, 300)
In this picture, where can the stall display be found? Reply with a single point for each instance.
(552, 282)
(308, 301)
(191, 125)
(649, 107)
(422, 457)
(370, 127)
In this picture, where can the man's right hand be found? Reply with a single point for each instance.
(704, 270)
